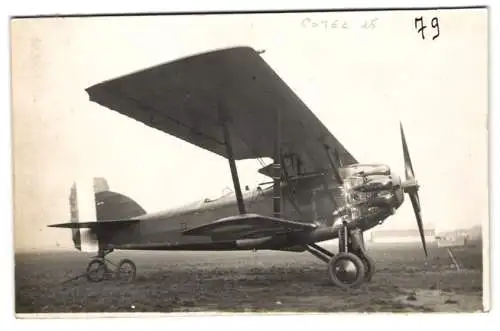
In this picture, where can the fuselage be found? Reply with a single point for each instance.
(368, 195)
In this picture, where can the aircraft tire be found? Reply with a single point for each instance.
(126, 271)
(346, 270)
(96, 270)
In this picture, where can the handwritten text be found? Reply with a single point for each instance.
(342, 24)
(420, 26)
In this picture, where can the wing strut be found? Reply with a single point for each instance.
(334, 163)
(232, 166)
(277, 168)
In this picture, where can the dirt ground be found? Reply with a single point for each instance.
(252, 281)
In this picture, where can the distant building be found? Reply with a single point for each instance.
(401, 236)
(451, 240)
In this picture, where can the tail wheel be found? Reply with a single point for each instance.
(96, 270)
(126, 271)
(346, 270)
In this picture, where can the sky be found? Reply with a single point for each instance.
(359, 82)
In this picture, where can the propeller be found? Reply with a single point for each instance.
(411, 187)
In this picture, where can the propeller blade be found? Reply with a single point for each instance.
(408, 166)
(413, 188)
(416, 208)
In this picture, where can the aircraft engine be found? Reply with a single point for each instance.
(370, 193)
(370, 183)
(366, 170)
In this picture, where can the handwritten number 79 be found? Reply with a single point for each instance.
(420, 26)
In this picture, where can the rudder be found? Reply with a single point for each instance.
(73, 205)
(95, 202)
(82, 208)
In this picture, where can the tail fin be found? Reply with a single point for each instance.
(94, 203)
(112, 205)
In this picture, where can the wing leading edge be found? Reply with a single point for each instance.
(189, 98)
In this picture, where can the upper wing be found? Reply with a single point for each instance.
(188, 97)
(248, 226)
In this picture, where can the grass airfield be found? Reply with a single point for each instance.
(263, 281)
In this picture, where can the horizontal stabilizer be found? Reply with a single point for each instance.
(248, 226)
(93, 224)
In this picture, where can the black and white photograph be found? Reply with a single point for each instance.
(301, 162)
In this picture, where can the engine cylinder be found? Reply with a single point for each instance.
(366, 170)
(369, 194)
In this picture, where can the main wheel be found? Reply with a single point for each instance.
(96, 270)
(346, 270)
(126, 271)
(369, 267)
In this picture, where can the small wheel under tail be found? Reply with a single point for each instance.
(346, 270)
(126, 271)
(96, 270)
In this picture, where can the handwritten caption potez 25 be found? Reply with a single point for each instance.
(420, 25)
(366, 24)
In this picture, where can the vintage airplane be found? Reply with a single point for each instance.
(230, 102)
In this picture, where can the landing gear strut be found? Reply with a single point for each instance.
(351, 266)
(99, 269)
(356, 245)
